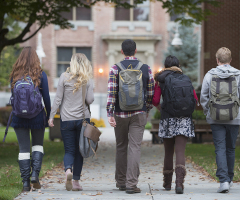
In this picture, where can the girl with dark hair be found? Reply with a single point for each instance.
(175, 131)
(26, 73)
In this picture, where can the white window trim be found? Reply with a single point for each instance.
(79, 23)
(132, 25)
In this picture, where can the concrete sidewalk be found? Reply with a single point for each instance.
(99, 184)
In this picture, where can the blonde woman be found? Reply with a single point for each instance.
(69, 95)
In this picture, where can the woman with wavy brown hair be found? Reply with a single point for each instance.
(29, 86)
(75, 89)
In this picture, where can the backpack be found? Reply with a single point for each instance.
(224, 102)
(178, 97)
(26, 100)
(131, 94)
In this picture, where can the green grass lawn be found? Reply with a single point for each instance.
(10, 180)
(204, 155)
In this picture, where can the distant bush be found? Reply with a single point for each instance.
(148, 126)
(198, 114)
(4, 114)
(157, 114)
(98, 123)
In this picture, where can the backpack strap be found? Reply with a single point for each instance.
(6, 131)
(140, 64)
(120, 66)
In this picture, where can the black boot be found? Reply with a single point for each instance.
(25, 170)
(36, 167)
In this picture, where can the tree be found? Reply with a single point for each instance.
(8, 59)
(187, 54)
(9, 53)
(45, 12)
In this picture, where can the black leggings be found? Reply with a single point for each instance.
(179, 144)
(23, 136)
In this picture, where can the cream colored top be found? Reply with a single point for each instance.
(71, 104)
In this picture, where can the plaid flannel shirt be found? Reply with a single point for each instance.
(113, 92)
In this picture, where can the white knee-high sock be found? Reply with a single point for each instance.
(37, 148)
(23, 156)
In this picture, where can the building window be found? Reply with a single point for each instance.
(64, 55)
(79, 13)
(139, 13)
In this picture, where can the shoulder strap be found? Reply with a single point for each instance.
(83, 98)
(84, 90)
(140, 64)
(120, 66)
(8, 124)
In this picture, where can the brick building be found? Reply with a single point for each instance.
(98, 32)
(221, 30)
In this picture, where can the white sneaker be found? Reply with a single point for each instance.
(231, 184)
(224, 187)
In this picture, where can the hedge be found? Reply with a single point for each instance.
(4, 114)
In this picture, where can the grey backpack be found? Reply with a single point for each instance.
(224, 102)
(131, 94)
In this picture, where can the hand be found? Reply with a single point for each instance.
(50, 123)
(111, 121)
(159, 107)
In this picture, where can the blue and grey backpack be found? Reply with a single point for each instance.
(26, 100)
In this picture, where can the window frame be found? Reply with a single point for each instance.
(74, 15)
(131, 14)
(67, 62)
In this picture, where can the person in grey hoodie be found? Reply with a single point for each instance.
(224, 131)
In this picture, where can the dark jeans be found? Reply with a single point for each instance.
(224, 138)
(70, 131)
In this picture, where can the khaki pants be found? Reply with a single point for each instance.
(129, 134)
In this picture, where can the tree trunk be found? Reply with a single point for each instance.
(1, 49)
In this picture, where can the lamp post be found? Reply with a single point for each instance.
(176, 40)
(39, 50)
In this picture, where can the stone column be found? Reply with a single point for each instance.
(150, 57)
(111, 57)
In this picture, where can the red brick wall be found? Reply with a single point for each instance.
(222, 30)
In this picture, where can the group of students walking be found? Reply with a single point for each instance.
(131, 95)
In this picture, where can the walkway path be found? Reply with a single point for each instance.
(98, 178)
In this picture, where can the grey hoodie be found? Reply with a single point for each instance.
(223, 71)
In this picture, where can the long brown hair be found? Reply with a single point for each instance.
(27, 64)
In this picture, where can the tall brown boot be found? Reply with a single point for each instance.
(180, 171)
(167, 179)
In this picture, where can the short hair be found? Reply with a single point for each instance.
(171, 61)
(128, 47)
(223, 55)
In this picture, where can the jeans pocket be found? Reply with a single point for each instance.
(64, 125)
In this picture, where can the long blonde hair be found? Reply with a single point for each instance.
(81, 68)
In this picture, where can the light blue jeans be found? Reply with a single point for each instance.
(224, 138)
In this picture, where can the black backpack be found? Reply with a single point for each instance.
(178, 97)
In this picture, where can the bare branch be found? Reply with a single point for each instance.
(32, 34)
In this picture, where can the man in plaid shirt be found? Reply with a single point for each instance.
(128, 125)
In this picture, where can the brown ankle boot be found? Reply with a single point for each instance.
(180, 171)
(167, 179)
